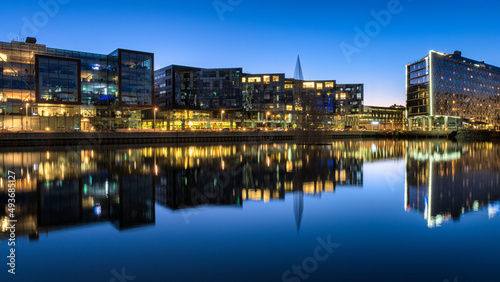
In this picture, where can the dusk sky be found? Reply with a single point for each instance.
(267, 36)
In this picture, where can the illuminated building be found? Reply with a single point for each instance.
(47, 88)
(442, 89)
(374, 118)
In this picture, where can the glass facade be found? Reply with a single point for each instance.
(136, 78)
(180, 87)
(58, 80)
(51, 89)
(453, 86)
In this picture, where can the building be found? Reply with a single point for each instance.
(44, 88)
(378, 118)
(181, 88)
(444, 90)
(198, 98)
(264, 92)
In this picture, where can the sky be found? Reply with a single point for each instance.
(366, 41)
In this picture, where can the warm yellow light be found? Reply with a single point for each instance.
(47, 128)
(308, 85)
(3, 57)
(156, 109)
(223, 112)
(268, 113)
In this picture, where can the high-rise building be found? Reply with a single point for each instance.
(443, 89)
(44, 88)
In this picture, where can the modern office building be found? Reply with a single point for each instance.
(44, 88)
(189, 88)
(443, 89)
(349, 98)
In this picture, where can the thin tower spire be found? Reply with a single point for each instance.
(298, 70)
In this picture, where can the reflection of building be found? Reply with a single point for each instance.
(44, 88)
(57, 190)
(443, 88)
(444, 180)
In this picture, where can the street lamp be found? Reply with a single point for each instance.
(154, 120)
(27, 108)
(267, 117)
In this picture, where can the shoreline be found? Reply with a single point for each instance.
(50, 139)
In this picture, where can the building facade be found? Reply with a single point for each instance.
(378, 118)
(181, 87)
(443, 89)
(45, 88)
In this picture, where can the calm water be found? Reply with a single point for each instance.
(347, 211)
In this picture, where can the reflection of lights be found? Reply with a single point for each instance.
(493, 210)
(5, 224)
(97, 210)
(107, 188)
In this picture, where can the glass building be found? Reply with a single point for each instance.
(442, 89)
(45, 88)
(182, 88)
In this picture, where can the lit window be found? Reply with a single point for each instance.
(254, 79)
(342, 96)
(289, 108)
(267, 79)
(288, 86)
(276, 78)
(244, 80)
(336, 96)
(319, 86)
(329, 84)
(308, 85)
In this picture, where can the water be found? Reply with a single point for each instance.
(345, 211)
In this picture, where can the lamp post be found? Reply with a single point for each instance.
(154, 120)
(267, 117)
(222, 116)
(27, 108)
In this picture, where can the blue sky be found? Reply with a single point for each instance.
(267, 36)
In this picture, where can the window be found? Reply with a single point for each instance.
(244, 80)
(308, 85)
(254, 79)
(267, 79)
(342, 96)
(288, 86)
(276, 78)
(329, 84)
(319, 86)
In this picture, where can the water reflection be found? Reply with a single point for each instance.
(64, 188)
(445, 180)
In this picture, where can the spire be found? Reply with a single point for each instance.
(298, 70)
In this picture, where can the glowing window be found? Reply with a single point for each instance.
(319, 85)
(276, 78)
(288, 86)
(329, 84)
(308, 85)
(244, 80)
(267, 79)
(336, 96)
(254, 79)
(342, 96)
(289, 108)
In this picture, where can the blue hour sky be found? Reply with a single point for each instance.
(267, 36)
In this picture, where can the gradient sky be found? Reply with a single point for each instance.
(267, 36)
